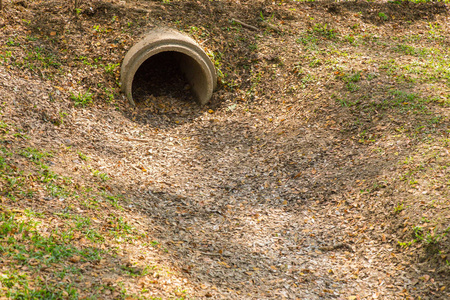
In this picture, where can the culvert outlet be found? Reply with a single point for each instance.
(193, 63)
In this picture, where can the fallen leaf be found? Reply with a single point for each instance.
(74, 259)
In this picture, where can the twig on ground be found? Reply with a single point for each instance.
(270, 26)
(215, 254)
(245, 25)
(336, 246)
(136, 140)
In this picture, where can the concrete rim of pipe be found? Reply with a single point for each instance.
(194, 63)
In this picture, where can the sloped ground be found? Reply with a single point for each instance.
(318, 171)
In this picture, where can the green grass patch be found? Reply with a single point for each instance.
(103, 176)
(400, 102)
(307, 39)
(81, 99)
(383, 16)
(23, 244)
(34, 154)
(21, 286)
(324, 30)
(40, 58)
(410, 50)
(115, 200)
(120, 227)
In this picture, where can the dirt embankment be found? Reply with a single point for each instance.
(318, 171)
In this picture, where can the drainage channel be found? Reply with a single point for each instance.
(167, 59)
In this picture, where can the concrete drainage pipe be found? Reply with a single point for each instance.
(193, 62)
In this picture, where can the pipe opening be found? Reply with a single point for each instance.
(164, 75)
(162, 63)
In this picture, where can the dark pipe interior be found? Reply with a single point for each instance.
(161, 76)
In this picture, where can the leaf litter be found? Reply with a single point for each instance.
(318, 170)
